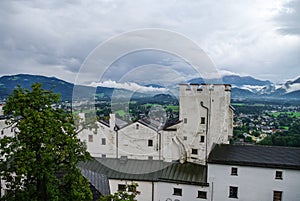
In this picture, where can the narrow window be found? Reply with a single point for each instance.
(195, 151)
(277, 195)
(121, 187)
(202, 194)
(233, 192)
(184, 137)
(103, 141)
(202, 120)
(185, 120)
(90, 138)
(202, 138)
(137, 127)
(278, 175)
(150, 143)
(234, 171)
(177, 191)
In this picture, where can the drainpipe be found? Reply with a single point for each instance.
(117, 141)
(206, 130)
(152, 191)
(159, 145)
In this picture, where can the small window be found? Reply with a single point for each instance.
(177, 191)
(150, 157)
(184, 137)
(234, 171)
(185, 120)
(195, 151)
(278, 175)
(202, 138)
(150, 143)
(202, 120)
(103, 141)
(91, 138)
(2, 132)
(277, 195)
(121, 187)
(202, 194)
(137, 127)
(103, 155)
(233, 192)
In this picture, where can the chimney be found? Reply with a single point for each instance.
(112, 121)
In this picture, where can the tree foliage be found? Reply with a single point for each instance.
(129, 193)
(39, 161)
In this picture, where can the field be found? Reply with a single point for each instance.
(291, 114)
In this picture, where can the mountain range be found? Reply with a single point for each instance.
(242, 87)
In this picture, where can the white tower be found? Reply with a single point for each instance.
(206, 118)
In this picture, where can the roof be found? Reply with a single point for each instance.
(99, 181)
(148, 170)
(255, 155)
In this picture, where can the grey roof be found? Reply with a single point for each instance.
(99, 181)
(254, 155)
(148, 170)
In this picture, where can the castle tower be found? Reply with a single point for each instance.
(206, 117)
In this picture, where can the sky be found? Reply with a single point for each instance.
(54, 38)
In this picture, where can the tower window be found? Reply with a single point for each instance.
(202, 120)
(103, 141)
(278, 175)
(234, 171)
(137, 127)
(150, 143)
(195, 151)
(185, 120)
(202, 138)
(177, 191)
(233, 192)
(277, 195)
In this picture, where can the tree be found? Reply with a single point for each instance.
(129, 193)
(39, 162)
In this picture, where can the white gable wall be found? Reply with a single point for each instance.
(254, 183)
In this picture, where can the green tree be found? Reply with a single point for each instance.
(129, 193)
(39, 162)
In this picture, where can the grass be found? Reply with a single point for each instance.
(121, 113)
(291, 114)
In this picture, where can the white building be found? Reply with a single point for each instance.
(253, 173)
(205, 118)
(190, 159)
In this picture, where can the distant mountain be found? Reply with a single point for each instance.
(9, 83)
(65, 89)
(244, 80)
(242, 87)
(249, 87)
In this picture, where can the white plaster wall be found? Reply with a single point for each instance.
(95, 147)
(217, 99)
(144, 187)
(189, 192)
(133, 142)
(254, 183)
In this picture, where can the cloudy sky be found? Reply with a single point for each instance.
(53, 38)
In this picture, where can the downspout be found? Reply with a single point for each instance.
(159, 145)
(206, 130)
(117, 141)
(152, 191)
